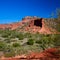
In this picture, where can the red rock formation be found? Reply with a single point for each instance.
(38, 25)
(34, 25)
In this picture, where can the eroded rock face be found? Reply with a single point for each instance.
(39, 25)
(36, 22)
(30, 24)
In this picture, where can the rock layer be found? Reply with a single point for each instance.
(30, 24)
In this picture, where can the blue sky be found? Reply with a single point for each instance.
(15, 10)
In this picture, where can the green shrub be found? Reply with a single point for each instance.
(7, 40)
(30, 42)
(28, 35)
(2, 46)
(38, 41)
(20, 36)
(9, 51)
(46, 41)
(4, 35)
(10, 54)
(16, 45)
(57, 40)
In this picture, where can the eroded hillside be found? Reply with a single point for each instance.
(31, 25)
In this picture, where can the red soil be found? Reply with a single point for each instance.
(49, 54)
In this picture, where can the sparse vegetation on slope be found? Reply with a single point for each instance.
(24, 42)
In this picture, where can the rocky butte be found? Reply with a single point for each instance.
(30, 24)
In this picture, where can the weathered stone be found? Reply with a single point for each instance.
(30, 24)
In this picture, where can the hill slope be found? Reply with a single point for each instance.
(30, 24)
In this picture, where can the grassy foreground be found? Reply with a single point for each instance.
(15, 43)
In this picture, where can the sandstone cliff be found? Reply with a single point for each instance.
(30, 24)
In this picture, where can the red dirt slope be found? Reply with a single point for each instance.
(49, 54)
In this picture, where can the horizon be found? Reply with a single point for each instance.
(14, 10)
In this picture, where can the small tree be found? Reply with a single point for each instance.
(58, 20)
(54, 21)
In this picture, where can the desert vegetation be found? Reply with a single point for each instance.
(13, 43)
(54, 20)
